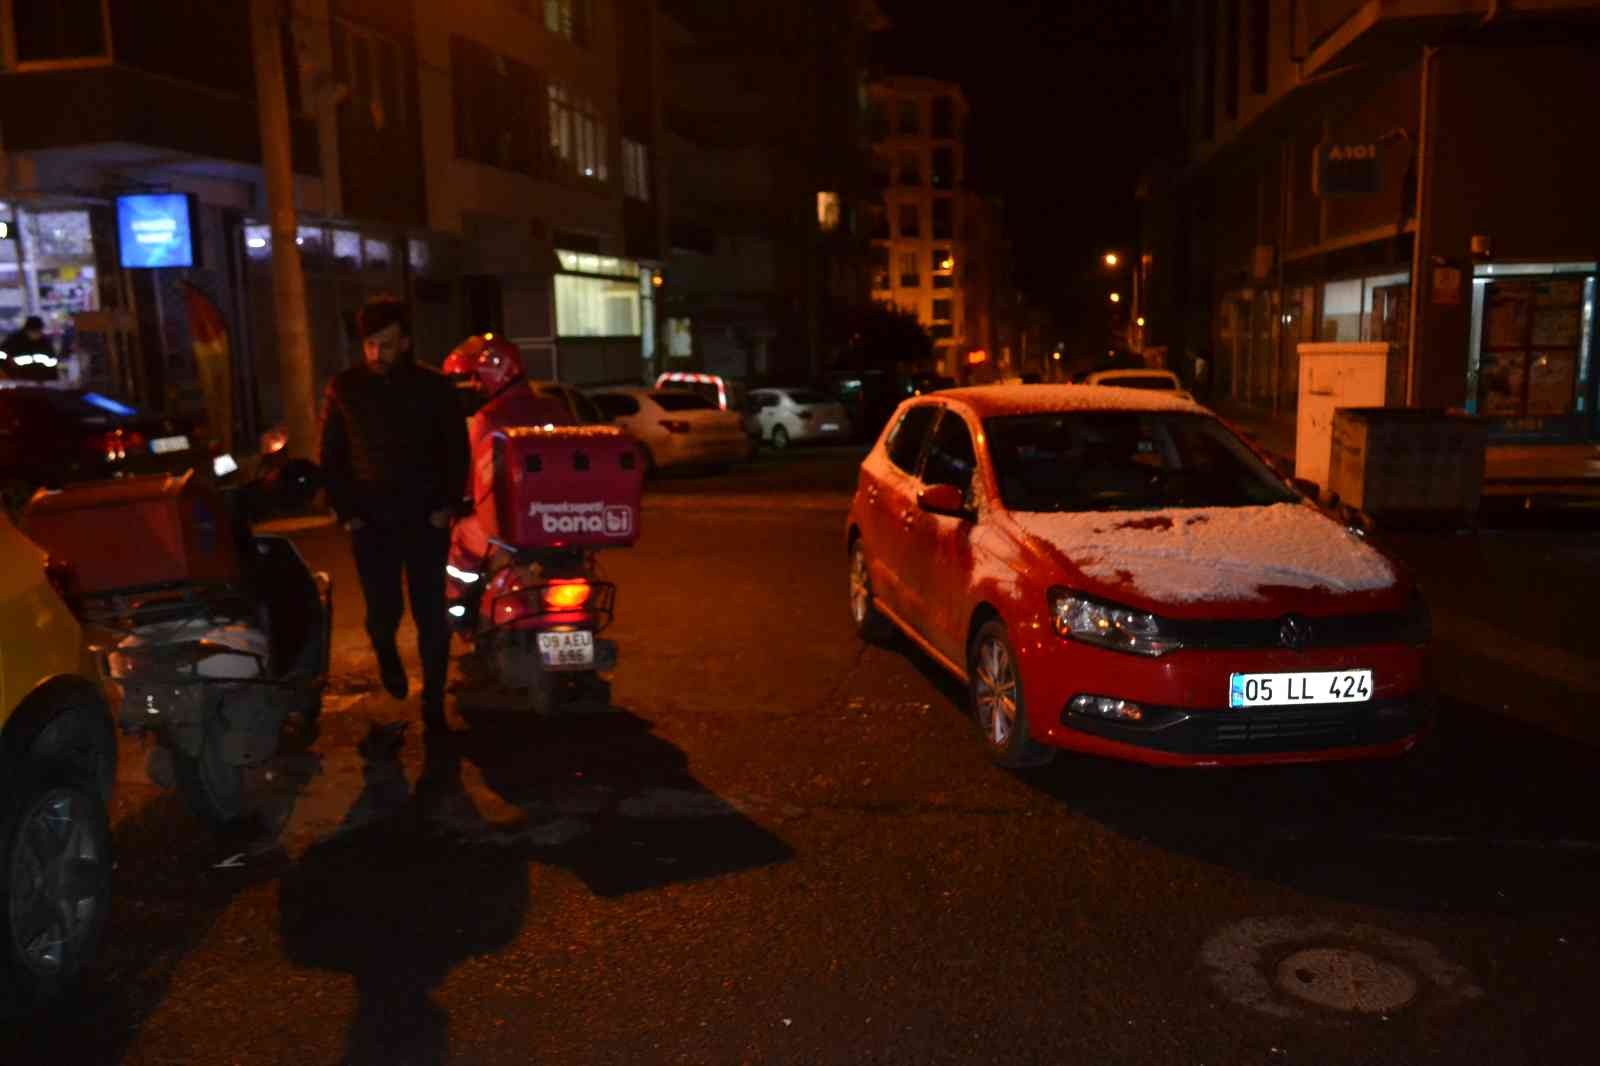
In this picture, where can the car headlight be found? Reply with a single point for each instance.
(1109, 626)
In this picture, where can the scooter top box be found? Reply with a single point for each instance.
(137, 532)
(559, 486)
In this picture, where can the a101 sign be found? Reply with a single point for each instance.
(1347, 170)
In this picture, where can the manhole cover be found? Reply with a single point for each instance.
(1342, 979)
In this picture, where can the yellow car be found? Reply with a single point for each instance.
(58, 762)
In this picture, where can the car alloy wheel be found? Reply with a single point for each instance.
(780, 438)
(870, 625)
(995, 690)
(57, 881)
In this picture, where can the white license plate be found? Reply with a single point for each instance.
(567, 649)
(166, 445)
(1293, 690)
(830, 427)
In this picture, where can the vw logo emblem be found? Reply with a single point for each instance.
(1294, 632)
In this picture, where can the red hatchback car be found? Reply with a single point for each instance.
(1113, 571)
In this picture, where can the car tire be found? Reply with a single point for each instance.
(870, 625)
(649, 459)
(55, 884)
(997, 699)
(780, 438)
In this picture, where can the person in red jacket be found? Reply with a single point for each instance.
(394, 456)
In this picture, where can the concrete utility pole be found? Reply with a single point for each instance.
(297, 389)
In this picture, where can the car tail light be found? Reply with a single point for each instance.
(566, 595)
(64, 579)
(675, 425)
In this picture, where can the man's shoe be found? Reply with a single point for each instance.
(392, 672)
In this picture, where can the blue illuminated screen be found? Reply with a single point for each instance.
(153, 230)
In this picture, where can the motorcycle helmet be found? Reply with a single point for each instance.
(485, 364)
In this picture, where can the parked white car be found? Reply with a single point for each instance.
(781, 417)
(1156, 380)
(675, 428)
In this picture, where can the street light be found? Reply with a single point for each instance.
(1116, 297)
(1139, 321)
(1112, 259)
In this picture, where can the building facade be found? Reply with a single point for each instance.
(495, 164)
(1398, 171)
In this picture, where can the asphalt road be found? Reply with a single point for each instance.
(784, 846)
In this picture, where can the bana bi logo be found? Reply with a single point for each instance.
(610, 520)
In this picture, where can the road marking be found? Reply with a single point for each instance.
(1349, 967)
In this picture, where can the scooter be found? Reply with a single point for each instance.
(214, 633)
(523, 582)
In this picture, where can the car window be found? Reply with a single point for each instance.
(706, 389)
(672, 400)
(588, 413)
(905, 442)
(1140, 381)
(950, 459)
(807, 397)
(1125, 461)
(764, 400)
(616, 405)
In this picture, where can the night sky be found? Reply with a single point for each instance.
(1070, 99)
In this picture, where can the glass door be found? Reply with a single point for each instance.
(1533, 355)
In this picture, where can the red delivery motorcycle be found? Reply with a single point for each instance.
(523, 582)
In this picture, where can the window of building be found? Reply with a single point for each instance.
(577, 135)
(944, 218)
(910, 168)
(635, 170)
(373, 67)
(909, 278)
(571, 19)
(940, 331)
(941, 310)
(58, 31)
(827, 211)
(943, 122)
(1260, 43)
(877, 121)
(910, 221)
(943, 281)
(494, 121)
(880, 267)
(908, 117)
(942, 261)
(48, 268)
(943, 173)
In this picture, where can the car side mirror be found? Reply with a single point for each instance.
(944, 499)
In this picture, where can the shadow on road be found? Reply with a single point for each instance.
(1490, 814)
(421, 879)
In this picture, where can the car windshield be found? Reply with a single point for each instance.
(807, 397)
(707, 389)
(1141, 381)
(1125, 461)
(683, 401)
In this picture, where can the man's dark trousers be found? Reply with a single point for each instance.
(420, 550)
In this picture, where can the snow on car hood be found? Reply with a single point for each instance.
(1209, 554)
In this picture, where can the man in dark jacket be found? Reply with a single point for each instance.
(29, 355)
(394, 453)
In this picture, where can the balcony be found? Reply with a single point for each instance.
(1336, 33)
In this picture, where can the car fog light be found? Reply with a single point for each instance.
(1106, 707)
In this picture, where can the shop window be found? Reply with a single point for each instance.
(596, 307)
(378, 254)
(577, 135)
(909, 277)
(49, 31)
(495, 122)
(55, 252)
(1341, 311)
(910, 221)
(346, 249)
(910, 168)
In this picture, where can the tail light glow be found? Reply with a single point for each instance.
(566, 595)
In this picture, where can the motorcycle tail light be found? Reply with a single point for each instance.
(566, 595)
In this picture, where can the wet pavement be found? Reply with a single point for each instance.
(785, 846)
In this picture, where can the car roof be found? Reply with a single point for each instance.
(985, 401)
(1134, 372)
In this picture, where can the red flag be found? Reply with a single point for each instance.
(213, 362)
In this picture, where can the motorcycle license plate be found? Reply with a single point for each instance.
(167, 445)
(567, 649)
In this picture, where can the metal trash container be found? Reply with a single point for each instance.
(1397, 462)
